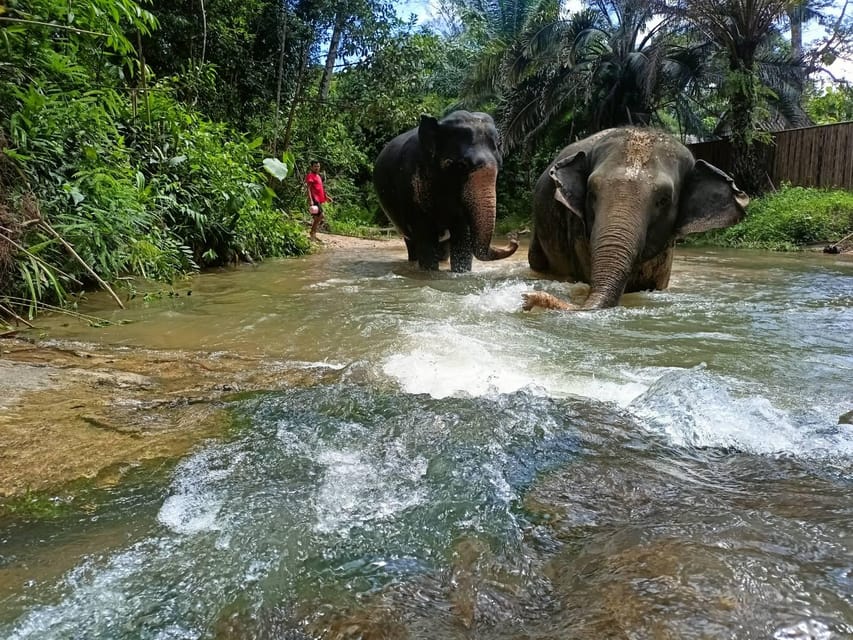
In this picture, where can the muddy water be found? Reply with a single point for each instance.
(672, 468)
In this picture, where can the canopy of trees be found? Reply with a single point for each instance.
(133, 132)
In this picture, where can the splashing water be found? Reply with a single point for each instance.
(671, 468)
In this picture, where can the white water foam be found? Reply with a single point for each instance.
(302, 364)
(97, 591)
(696, 408)
(503, 297)
(805, 630)
(444, 360)
(337, 283)
(358, 491)
(197, 498)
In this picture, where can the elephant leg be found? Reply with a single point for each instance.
(536, 257)
(461, 252)
(428, 255)
(411, 249)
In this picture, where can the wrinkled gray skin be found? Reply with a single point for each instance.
(436, 183)
(609, 208)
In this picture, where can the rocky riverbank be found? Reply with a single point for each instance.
(75, 410)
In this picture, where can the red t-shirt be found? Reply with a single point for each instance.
(315, 188)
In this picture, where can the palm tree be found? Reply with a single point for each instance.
(799, 13)
(739, 30)
(610, 64)
(502, 28)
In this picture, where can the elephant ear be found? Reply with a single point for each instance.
(428, 134)
(570, 176)
(710, 199)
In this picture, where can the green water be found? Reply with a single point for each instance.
(672, 468)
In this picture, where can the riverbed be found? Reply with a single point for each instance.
(341, 446)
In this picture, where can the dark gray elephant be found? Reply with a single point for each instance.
(437, 185)
(609, 208)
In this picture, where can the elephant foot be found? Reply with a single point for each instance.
(544, 300)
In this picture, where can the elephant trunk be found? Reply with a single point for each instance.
(615, 249)
(479, 198)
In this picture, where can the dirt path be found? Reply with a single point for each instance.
(331, 242)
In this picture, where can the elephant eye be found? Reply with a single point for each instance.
(663, 201)
(446, 163)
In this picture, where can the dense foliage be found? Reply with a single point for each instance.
(134, 133)
(102, 175)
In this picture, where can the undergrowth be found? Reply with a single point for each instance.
(105, 174)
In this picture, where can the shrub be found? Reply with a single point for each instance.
(354, 212)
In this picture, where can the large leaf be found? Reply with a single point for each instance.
(276, 168)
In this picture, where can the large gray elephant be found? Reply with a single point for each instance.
(436, 183)
(608, 210)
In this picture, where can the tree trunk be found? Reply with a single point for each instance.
(280, 77)
(296, 97)
(750, 173)
(795, 16)
(332, 56)
(203, 32)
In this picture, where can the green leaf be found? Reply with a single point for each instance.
(76, 196)
(276, 168)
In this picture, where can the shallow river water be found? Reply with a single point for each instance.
(671, 468)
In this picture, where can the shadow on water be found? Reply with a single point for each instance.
(670, 469)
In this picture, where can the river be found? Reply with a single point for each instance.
(671, 468)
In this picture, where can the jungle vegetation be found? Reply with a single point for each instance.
(153, 138)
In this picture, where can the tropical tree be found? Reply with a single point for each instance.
(739, 29)
(615, 62)
(358, 29)
(103, 173)
(831, 105)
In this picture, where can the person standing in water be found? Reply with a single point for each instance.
(316, 197)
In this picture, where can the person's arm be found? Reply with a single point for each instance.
(326, 194)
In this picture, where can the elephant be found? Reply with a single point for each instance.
(436, 183)
(608, 209)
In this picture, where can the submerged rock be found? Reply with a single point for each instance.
(70, 411)
(846, 418)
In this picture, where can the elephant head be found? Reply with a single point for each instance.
(462, 162)
(625, 195)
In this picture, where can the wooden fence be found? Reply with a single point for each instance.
(820, 156)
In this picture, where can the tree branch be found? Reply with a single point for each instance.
(91, 271)
(55, 26)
